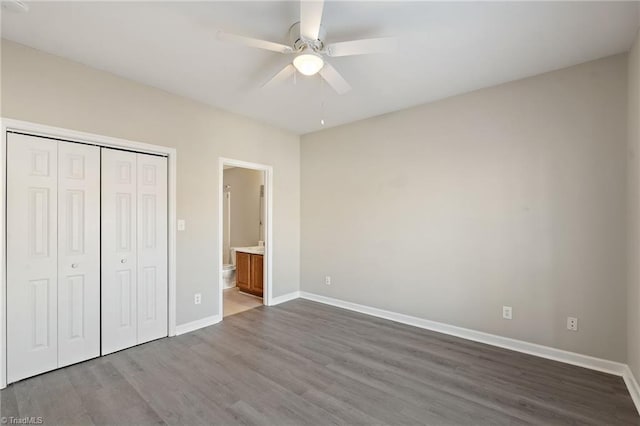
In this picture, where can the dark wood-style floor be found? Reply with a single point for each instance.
(303, 363)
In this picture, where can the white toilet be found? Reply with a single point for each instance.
(229, 271)
(229, 275)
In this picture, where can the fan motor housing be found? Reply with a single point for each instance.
(299, 43)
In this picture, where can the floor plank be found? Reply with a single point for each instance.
(304, 363)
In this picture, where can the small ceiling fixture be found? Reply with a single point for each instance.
(308, 63)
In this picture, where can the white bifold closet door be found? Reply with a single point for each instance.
(78, 252)
(134, 249)
(53, 282)
(153, 285)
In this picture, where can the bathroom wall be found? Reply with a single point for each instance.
(48, 89)
(245, 206)
(511, 195)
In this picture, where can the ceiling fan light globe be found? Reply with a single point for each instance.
(308, 63)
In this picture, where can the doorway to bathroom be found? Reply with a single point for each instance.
(245, 230)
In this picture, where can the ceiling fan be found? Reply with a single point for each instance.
(307, 43)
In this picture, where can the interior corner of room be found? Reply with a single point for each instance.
(450, 234)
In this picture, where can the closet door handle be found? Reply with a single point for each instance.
(123, 260)
(74, 265)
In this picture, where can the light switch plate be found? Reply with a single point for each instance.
(181, 225)
(507, 312)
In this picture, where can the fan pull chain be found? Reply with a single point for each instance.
(321, 101)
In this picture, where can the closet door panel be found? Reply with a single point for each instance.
(78, 252)
(152, 247)
(119, 252)
(31, 256)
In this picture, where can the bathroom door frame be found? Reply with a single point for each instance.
(268, 246)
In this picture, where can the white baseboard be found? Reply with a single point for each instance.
(197, 324)
(599, 364)
(285, 298)
(632, 386)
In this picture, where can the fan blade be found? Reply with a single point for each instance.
(310, 19)
(363, 47)
(15, 6)
(282, 75)
(254, 42)
(335, 80)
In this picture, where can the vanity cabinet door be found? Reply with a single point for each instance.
(243, 271)
(256, 274)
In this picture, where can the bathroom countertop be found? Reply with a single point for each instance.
(250, 250)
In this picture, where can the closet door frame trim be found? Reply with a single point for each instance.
(34, 129)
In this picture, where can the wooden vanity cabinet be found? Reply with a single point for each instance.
(243, 270)
(256, 284)
(249, 273)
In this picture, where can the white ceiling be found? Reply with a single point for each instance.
(446, 48)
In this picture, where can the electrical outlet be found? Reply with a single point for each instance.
(327, 280)
(572, 323)
(197, 298)
(507, 312)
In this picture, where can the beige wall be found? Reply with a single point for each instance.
(633, 299)
(245, 205)
(512, 195)
(50, 90)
